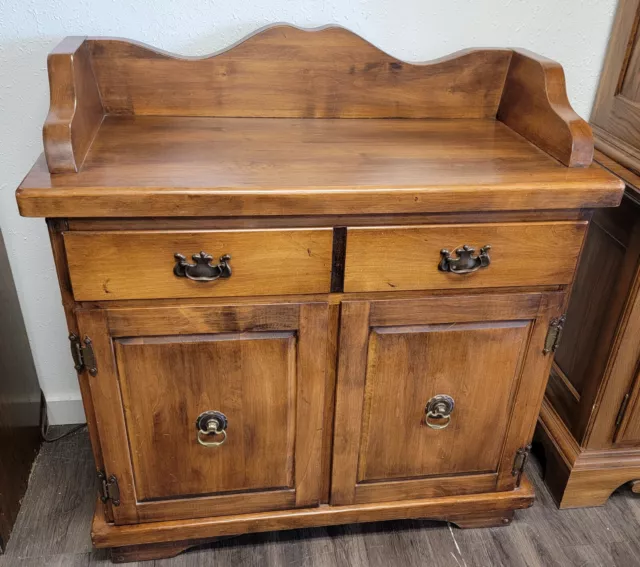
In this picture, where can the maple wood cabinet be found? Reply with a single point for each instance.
(283, 316)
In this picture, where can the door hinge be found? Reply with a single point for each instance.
(554, 334)
(108, 488)
(82, 353)
(519, 461)
(623, 408)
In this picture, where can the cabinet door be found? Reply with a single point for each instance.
(628, 432)
(159, 369)
(485, 352)
(616, 110)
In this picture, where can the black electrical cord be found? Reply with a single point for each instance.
(71, 431)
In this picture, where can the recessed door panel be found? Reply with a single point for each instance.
(167, 382)
(476, 364)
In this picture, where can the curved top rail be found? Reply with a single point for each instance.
(278, 72)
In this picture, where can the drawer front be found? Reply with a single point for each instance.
(408, 258)
(140, 264)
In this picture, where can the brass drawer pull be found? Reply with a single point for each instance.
(211, 424)
(465, 263)
(202, 270)
(439, 407)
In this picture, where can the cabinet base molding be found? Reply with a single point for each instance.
(580, 477)
(155, 540)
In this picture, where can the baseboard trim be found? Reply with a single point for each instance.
(65, 411)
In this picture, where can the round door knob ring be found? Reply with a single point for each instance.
(211, 424)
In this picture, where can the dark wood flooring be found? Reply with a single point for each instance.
(53, 530)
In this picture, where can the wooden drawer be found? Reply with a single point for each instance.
(406, 258)
(140, 264)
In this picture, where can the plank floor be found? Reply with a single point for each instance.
(53, 530)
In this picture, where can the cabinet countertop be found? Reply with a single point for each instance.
(195, 166)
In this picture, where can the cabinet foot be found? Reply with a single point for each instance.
(580, 477)
(483, 520)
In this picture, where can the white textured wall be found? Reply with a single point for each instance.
(574, 32)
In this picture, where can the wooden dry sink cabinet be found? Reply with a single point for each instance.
(307, 283)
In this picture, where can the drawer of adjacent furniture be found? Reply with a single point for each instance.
(434, 256)
(146, 265)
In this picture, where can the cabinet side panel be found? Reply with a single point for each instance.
(590, 304)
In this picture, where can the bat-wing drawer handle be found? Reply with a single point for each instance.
(202, 270)
(466, 262)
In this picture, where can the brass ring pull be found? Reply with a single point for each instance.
(211, 424)
(202, 270)
(466, 262)
(439, 407)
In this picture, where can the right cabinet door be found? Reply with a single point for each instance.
(436, 395)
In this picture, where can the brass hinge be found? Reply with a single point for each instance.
(623, 408)
(108, 488)
(519, 461)
(554, 334)
(82, 353)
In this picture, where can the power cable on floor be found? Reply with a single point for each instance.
(43, 432)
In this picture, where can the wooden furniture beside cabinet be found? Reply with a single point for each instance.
(306, 283)
(590, 419)
(20, 403)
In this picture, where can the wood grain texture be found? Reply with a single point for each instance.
(266, 379)
(76, 111)
(530, 391)
(579, 477)
(198, 318)
(249, 377)
(615, 115)
(311, 388)
(562, 395)
(354, 330)
(397, 311)
(109, 410)
(56, 226)
(402, 258)
(393, 366)
(535, 104)
(337, 221)
(429, 487)
(175, 166)
(630, 178)
(139, 265)
(407, 366)
(624, 372)
(216, 505)
(286, 72)
(104, 535)
(587, 333)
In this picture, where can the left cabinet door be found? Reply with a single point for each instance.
(262, 366)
